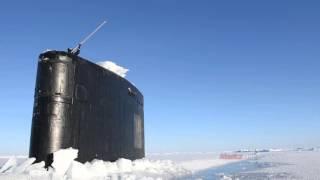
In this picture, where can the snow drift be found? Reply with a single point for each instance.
(65, 166)
(111, 66)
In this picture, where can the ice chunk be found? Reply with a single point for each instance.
(9, 165)
(23, 166)
(97, 168)
(37, 169)
(38, 165)
(111, 66)
(47, 50)
(111, 167)
(124, 165)
(62, 159)
(78, 170)
(140, 164)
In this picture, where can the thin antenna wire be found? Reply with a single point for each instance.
(77, 48)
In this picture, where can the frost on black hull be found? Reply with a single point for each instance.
(82, 105)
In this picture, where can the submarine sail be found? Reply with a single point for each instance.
(79, 104)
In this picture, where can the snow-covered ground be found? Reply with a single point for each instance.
(193, 161)
(281, 165)
(288, 164)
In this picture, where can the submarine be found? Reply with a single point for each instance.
(82, 105)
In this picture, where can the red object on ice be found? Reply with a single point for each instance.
(231, 156)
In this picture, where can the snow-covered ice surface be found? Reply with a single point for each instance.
(194, 161)
(64, 167)
(263, 165)
(111, 66)
(277, 165)
(281, 165)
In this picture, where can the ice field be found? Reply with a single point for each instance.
(288, 164)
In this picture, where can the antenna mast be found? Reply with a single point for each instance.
(76, 50)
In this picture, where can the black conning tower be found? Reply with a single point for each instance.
(82, 105)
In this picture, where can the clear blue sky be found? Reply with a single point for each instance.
(216, 75)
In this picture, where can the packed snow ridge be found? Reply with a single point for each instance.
(111, 66)
(65, 167)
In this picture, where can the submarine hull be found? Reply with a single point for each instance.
(81, 105)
